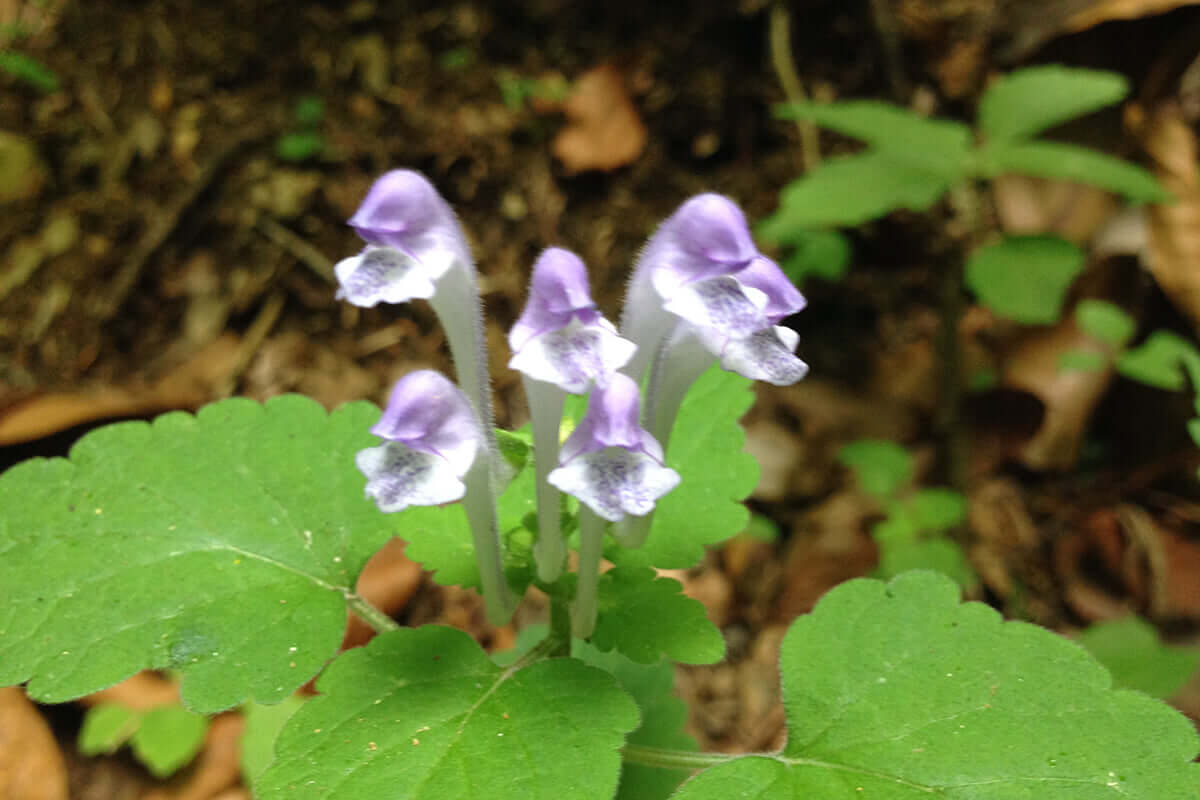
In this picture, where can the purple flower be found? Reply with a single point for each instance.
(610, 463)
(561, 337)
(412, 241)
(432, 438)
(701, 274)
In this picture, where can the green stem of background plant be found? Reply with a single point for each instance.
(379, 621)
(665, 758)
(560, 625)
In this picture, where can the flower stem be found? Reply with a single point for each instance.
(545, 411)
(560, 626)
(591, 542)
(379, 621)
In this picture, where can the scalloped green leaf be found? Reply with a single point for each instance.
(646, 617)
(1024, 278)
(899, 691)
(1028, 101)
(106, 727)
(423, 713)
(707, 450)
(223, 544)
(262, 726)
(664, 716)
(1068, 162)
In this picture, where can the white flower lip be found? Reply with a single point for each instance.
(399, 477)
(574, 357)
(616, 482)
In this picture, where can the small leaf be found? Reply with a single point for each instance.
(646, 617)
(168, 738)
(1163, 361)
(223, 545)
(1081, 361)
(707, 449)
(1067, 162)
(850, 190)
(1132, 652)
(262, 727)
(818, 254)
(106, 727)
(1028, 101)
(899, 692)
(936, 145)
(423, 713)
(309, 110)
(30, 70)
(882, 467)
(664, 716)
(938, 553)
(299, 146)
(936, 510)
(1105, 321)
(1193, 428)
(1024, 278)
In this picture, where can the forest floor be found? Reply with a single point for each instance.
(175, 185)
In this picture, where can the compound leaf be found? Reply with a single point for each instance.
(222, 544)
(1071, 163)
(1024, 278)
(850, 190)
(423, 713)
(898, 691)
(645, 617)
(1137, 659)
(1028, 101)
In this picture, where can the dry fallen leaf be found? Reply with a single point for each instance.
(1108, 10)
(141, 692)
(31, 765)
(1174, 228)
(388, 582)
(603, 128)
(1038, 205)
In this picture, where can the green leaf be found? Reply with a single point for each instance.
(1163, 361)
(1026, 102)
(168, 738)
(938, 553)
(299, 146)
(1024, 278)
(106, 727)
(882, 467)
(309, 110)
(646, 617)
(1193, 428)
(850, 190)
(29, 70)
(707, 450)
(1132, 652)
(663, 718)
(1081, 361)
(819, 254)
(1105, 321)
(262, 727)
(936, 510)
(224, 545)
(423, 713)
(935, 145)
(898, 691)
(1067, 162)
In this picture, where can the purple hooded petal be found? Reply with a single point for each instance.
(707, 236)
(783, 298)
(611, 421)
(429, 414)
(400, 206)
(558, 294)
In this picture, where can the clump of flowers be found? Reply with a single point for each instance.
(701, 293)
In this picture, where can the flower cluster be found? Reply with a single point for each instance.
(700, 293)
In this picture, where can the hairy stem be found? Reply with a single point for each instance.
(379, 621)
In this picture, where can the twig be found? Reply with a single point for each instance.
(157, 233)
(780, 35)
(304, 252)
(889, 38)
(256, 334)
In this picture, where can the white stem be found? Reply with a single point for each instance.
(545, 411)
(645, 323)
(480, 505)
(591, 543)
(679, 363)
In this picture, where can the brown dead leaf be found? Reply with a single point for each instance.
(1090, 563)
(1068, 396)
(603, 130)
(31, 765)
(1109, 10)
(1038, 205)
(188, 386)
(1174, 228)
(830, 546)
(388, 582)
(143, 691)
